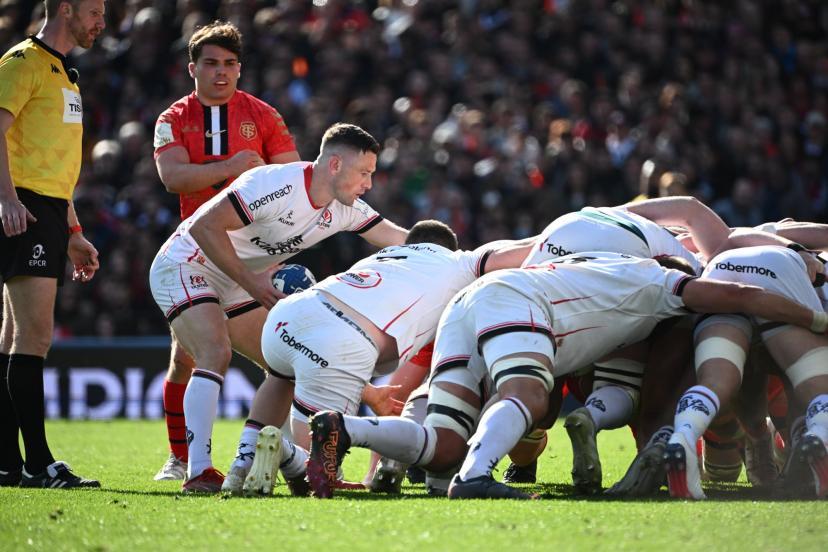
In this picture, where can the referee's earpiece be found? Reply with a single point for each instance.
(73, 75)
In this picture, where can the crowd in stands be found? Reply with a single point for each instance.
(494, 116)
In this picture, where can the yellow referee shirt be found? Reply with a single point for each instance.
(44, 142)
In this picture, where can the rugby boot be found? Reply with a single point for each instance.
(760, 464)
(11, 478)
(646, 474)
(681, 462)
(815, 454)
(586, 464)
(174, 469)
(485, 486)
(234, 480)
(388, 477)
(415, 475)
(722, 460)
(329, 443)
(208, 481)
(260, 480)
(521, 474)
(57, 475)
(298, 485)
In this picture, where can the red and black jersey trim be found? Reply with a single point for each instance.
(239, 208)
(679, 288)
(368, 225)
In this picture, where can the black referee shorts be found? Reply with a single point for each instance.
(41, 249)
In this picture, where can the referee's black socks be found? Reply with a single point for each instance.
(25, 378)
(10, 458)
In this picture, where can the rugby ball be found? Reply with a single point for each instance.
(293, 278)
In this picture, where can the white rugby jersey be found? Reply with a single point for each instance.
(607, 229)
(403, 289)
(279, 218)
(597, 302)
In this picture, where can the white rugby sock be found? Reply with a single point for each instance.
(397, 438)
(246, 451)
(662, 435)
(610, 407)
(499, 430)
(816, 417)
(696, 409)
(200, 406)
(292, 462)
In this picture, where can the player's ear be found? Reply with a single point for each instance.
(191, 69)
(335, 163)
(66, 9)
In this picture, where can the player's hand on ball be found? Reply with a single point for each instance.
(381, 399)
(262, 290)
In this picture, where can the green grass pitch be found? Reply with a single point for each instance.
(132, 512)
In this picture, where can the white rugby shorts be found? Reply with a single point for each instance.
(178, 286)
(484, 313)
(330, 359)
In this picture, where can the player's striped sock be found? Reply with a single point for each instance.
(246, 451)
(610, 406)
(200, 407)
(10, 458)
(499, 430)
(396, 438)
(696, 409)
(173, 396)
(292, 462)
(816, 417)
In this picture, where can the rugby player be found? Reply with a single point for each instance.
(212, 279)
(721, 345)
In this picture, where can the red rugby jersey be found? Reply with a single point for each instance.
(211, 134)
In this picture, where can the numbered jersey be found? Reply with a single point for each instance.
(607, 229)
(597, 302)
(403, 289)
(280, 220)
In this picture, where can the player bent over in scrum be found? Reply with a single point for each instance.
(722, 343)
(529, 324)
(326, 342)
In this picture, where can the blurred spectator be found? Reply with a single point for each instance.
(495, 117)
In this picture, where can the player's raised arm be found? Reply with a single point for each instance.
(708, 229)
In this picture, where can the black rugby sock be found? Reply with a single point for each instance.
(26, 390)
(10, 458)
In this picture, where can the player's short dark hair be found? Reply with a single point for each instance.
(218, 33)
(433, 231)
(52, 6)
(677, 263)
(352, 136)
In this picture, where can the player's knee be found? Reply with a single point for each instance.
(449, 451)
(720, 355)
(809, 368)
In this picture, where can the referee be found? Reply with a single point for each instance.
(41, 117)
